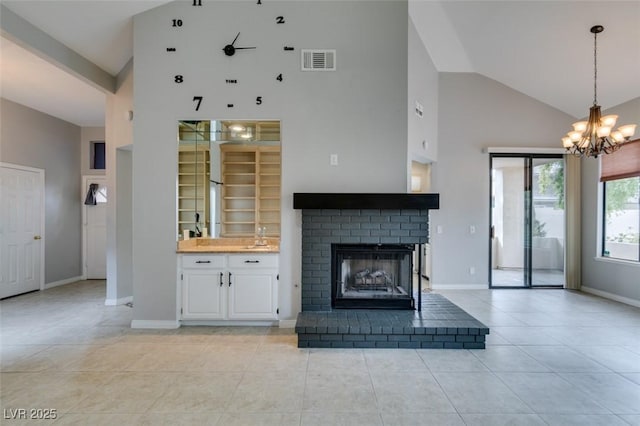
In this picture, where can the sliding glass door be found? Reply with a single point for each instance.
(527, 221)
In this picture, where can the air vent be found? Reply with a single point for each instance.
(318, 60)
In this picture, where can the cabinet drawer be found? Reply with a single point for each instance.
(202, 261)
(253, 260)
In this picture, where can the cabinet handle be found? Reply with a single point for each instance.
(221, 283)
(229, 279)
(203, 261)
(251, 261)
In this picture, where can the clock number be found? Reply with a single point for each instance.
(197, 3)
(280, 20)
(199, 99)
(279, 77)
(176, 23)
(178, 79)
(259, 100)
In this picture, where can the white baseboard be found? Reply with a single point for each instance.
(611, 296)
(63, 282)
(435, 286)
(120, 301)
(155, 324)
(287, 324)
(229, 323)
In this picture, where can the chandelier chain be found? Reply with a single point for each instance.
(595, 68)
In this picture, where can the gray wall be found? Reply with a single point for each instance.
(123, 286)
(119, 134)
(615, 277)
(423, 88)
(358, 112)
(476, 112)
(31, 138)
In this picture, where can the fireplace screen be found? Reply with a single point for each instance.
(372, 276)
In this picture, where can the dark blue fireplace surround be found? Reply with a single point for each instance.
(364, 218)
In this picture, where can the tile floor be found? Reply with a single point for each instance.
(553, 357)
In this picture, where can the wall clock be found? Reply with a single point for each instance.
(233, 47)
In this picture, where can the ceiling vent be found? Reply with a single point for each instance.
(318, 60)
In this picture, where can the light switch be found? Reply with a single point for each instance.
(472, 229)
(333, 160)
(439, 229)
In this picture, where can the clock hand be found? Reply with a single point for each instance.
(230, 49)
(234, 40)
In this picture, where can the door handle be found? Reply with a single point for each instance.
(37, 237)
(251, 261)
(229, 279)
(203, 261)
(221, 283)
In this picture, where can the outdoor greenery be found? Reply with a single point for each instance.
(618, 192)
(552, 177)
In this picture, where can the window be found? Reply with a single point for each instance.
(98, 155)
(620, 174)
(621, 220)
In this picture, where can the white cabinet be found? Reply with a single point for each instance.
(203, 292)
(253, 286)
(229, 286)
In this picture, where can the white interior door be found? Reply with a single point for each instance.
(21, 226)
(95, 230)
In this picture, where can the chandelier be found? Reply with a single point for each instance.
(595, 136)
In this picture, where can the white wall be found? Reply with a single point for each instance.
(476, 112)
(620, 279)
(358, 112)
(31, 138)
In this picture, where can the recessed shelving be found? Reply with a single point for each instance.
(251, 174)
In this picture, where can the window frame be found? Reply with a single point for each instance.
(603, 224)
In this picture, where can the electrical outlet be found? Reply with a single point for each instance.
(333, 160)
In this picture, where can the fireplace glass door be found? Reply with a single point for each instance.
(372, 276)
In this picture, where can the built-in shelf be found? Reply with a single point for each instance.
(193, 186)
(251, 191)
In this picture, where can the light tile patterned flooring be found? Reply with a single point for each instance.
(553, 357)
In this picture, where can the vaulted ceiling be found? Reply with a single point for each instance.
(541, 48)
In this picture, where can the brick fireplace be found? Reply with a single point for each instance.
(329, 220)
(376, 227)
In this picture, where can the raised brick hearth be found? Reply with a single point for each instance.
(441, 324)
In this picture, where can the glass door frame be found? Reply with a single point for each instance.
(528, 225)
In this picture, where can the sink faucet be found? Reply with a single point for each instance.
(262, 230)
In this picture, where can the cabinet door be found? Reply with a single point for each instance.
(203, 294)
(253, 294)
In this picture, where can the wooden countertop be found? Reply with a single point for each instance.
(227, 245)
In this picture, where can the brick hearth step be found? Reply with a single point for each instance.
(441, 324)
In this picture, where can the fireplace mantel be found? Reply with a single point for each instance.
(307, 200)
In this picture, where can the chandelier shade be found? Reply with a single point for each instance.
(596, 136)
